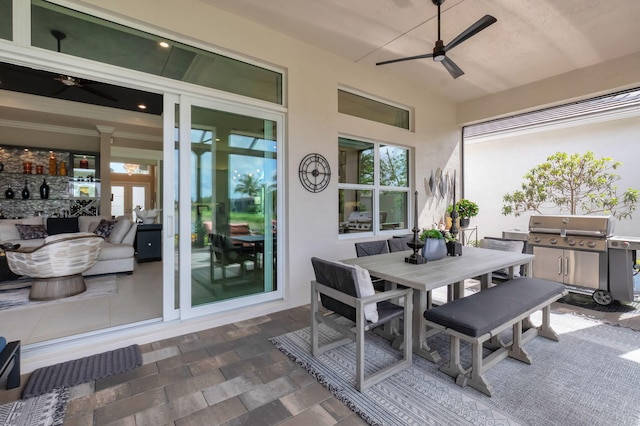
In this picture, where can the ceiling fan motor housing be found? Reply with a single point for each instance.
(438, 51)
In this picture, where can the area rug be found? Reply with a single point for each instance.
(592, 376)
(44, 410)
(19, 298)
(82, 370)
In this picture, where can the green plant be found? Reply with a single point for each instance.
(572, 183)
(431, 233)
(466, 209)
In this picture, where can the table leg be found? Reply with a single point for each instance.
(422, 300)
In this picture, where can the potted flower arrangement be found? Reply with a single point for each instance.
(434, 244)
(466, 210)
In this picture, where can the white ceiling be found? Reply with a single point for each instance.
(532, 40)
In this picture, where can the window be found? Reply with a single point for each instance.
(137, 50)
(370, 109)
(6, 19)
(373, 187)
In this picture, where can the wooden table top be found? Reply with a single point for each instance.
(437, 273)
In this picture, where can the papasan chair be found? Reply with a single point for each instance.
(57, 266)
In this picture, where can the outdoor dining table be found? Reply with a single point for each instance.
(450, 271)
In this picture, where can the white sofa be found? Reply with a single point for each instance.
(117, 253)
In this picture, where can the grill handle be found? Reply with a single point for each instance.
(566, 266)
(559, 266)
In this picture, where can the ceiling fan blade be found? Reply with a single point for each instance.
(410, 58)
(451, 66)
(474, 29)
(97, 92)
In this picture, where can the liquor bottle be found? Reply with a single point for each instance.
(44, 190)
(53, 164)
(25, 191)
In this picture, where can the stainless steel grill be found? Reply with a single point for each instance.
(572, 249)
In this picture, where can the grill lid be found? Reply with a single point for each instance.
(593, 226)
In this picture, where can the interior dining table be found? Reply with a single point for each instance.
(450, 271)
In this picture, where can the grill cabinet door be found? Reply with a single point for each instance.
(548, 264)
(583, 268)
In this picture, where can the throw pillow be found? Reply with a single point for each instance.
(121, 228)
(62, 225)
(8, 232)
(31, 232)
(105, 227)
(366, 289)
(503, 245)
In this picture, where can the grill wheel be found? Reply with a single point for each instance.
(602, 297)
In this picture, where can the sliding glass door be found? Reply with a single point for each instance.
(228, 205)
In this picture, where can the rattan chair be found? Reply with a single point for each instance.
(57, 266)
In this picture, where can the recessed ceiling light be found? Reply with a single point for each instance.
(164, 44)
(142, 106)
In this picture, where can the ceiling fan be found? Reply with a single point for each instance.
(440, 50)
(69, 81)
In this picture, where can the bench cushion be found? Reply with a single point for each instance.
(481, 312)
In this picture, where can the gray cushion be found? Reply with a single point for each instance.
(31, 232)
(481, 312)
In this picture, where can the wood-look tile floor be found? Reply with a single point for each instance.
(229, 375)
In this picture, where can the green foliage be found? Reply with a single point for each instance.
(466, 209)
(249, 185)
(575, 184)
(431, 233)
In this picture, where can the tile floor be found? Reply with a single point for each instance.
(229, 375)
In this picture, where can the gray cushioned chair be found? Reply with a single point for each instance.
(336, 288)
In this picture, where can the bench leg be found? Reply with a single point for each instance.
(477, 380)
(545, 329)
(454, 367)
(516, 350)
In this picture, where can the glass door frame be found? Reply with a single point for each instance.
(185, 103)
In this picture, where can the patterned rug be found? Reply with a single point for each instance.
(44, 410)
(590, 377)
(15, 294)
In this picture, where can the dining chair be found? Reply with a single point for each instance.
(347, 292)
(224, 252)
(369, 248)
(399, 243)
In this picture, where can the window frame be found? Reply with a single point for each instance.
(377, 189)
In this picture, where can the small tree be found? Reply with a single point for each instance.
(572, 183)
(249, 185)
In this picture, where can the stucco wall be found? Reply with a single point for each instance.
(313, 124)
(496, 167)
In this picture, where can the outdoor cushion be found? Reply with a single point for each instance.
(365, 286)
(481, 312)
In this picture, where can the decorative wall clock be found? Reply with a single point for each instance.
(314, 172)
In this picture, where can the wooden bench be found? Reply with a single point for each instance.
(482, 316)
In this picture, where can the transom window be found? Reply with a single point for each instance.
(374, 110)
(373, 187)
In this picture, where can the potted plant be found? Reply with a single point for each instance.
(466, 210)
(434, 244)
